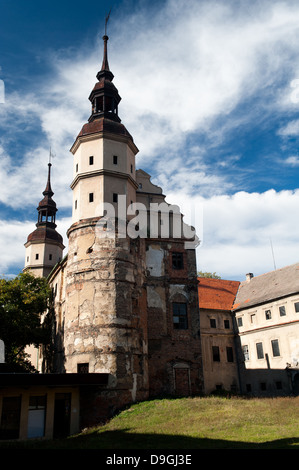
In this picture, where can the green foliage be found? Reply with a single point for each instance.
(23, 300)
(209, 275)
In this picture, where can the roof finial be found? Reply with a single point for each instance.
(106, 21)
(105, 64)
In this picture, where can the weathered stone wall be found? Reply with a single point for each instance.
(105, 317)
(175, 365)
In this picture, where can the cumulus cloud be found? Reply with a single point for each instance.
(190, 74)
(240, 233)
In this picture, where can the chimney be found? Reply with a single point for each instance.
(249, 276)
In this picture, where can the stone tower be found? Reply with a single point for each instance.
(44, 246)
(105, 323)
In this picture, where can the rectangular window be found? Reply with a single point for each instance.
(216, 353)
(263, 386)
(296, 305)
(90, 197)
(240, 321)
(76, 204)
(50, 257)
(180, 320)
(278, 385)
(115, 197)
(115, 159)
(212, 323)
(275, 347)
(260, 350)
(36, 416)
(76, 167)
(245, 350)
(131, 168)
(226, 324)
(268, 314)
(91, 160)
(229, 354)
(83, 368)
(252, 318)
(177, 260)
(282, 311)
(36, 256)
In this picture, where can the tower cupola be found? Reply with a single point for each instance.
(44, 246)
(47, 207)
(104, 96)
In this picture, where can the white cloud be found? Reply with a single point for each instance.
(13, 236)
(182, 75)
(237, 231)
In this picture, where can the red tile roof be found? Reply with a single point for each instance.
(217, 294)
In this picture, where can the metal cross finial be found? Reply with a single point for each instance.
(51, 155)
(106, 21)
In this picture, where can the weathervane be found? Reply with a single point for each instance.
(51, 155)
(106, 21)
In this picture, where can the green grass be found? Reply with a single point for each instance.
(192, 423)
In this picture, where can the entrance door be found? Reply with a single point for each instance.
(62, 414)
(182, 382)
(10, 419)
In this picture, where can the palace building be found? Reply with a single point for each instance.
(125, 294)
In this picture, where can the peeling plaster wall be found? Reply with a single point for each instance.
(175, 364)
(105, 316)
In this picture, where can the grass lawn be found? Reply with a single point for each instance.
(191, 423)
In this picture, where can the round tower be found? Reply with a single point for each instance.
(105, 327)
(44, 246)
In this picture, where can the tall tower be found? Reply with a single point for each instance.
(104, 152)
(44, 246)
(105, 328)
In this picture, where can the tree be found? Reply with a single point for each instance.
(23, 300)
(210, 275)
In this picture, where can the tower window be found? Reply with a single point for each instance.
(131, 168)
(115, 159)
(90, 197)
(177, 260)
(50, 257)
(36, 256)
(76, 204)
(76, 167)
(180, 321)
(91, 160)
(115, 197)
(83, 368)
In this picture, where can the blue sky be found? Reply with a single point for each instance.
(209, 93)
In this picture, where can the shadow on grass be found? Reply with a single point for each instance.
(124, 440)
